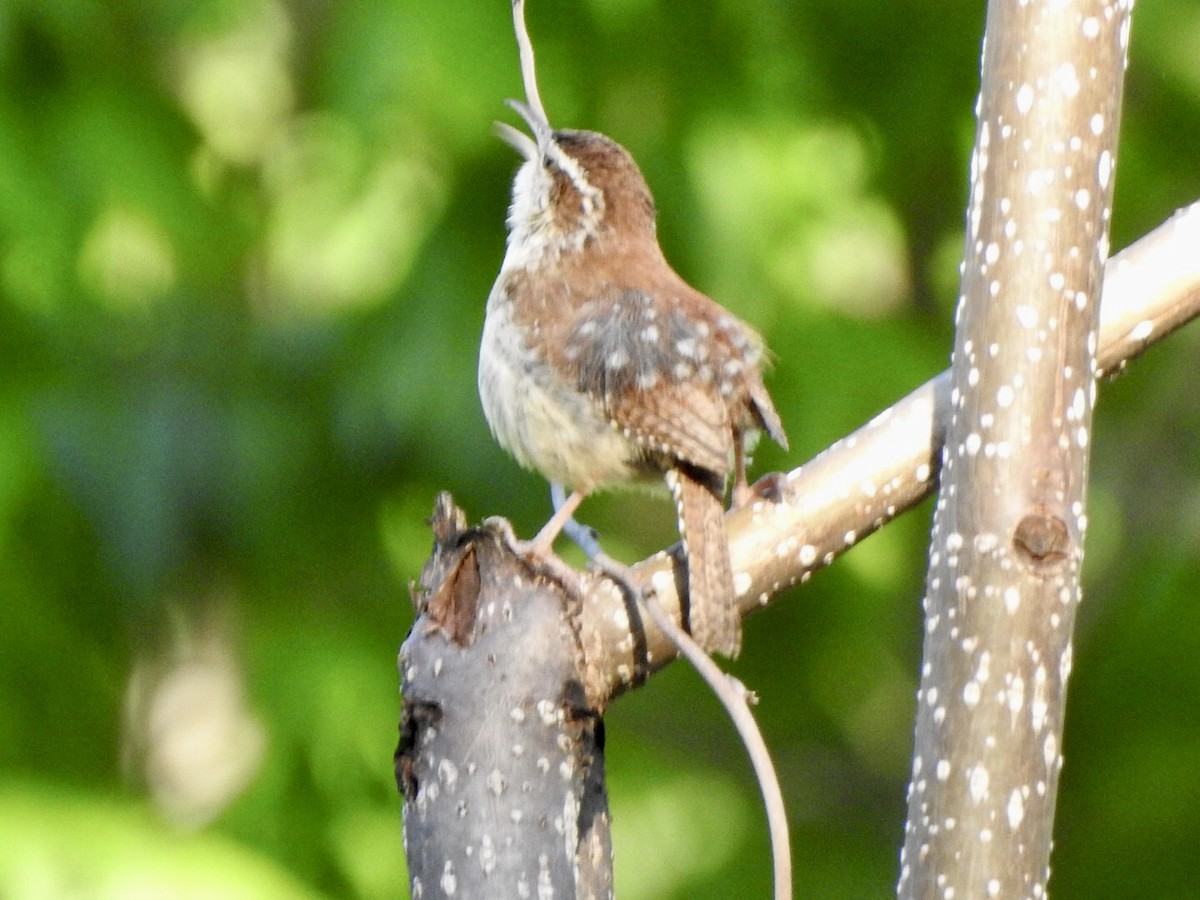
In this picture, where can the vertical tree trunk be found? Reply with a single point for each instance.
(1006, 550)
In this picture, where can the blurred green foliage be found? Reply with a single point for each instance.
(244, 252)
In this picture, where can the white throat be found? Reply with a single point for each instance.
(535, 234)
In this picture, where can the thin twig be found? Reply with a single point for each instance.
(527, 72)
(734, 697)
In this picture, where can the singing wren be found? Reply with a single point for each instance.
(600, 366)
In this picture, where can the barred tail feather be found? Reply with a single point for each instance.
(713, 616)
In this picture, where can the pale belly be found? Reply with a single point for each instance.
(560, 433)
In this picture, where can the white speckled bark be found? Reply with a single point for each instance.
(1007, 543)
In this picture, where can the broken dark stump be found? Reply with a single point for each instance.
(501, 759)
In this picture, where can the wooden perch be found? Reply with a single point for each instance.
(500, 761)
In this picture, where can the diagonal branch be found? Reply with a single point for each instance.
(818, 511)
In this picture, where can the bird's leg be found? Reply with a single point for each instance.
(741, 494)
(586, 539)
(564, 508)
(584, 536)
(539, 552)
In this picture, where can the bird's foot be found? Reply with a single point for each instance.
(537, 554)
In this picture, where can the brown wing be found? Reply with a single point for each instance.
(666, 376)
(680, 423)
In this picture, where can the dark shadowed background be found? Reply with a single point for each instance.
(244, 251)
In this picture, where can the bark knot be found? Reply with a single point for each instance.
(1041, 539)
